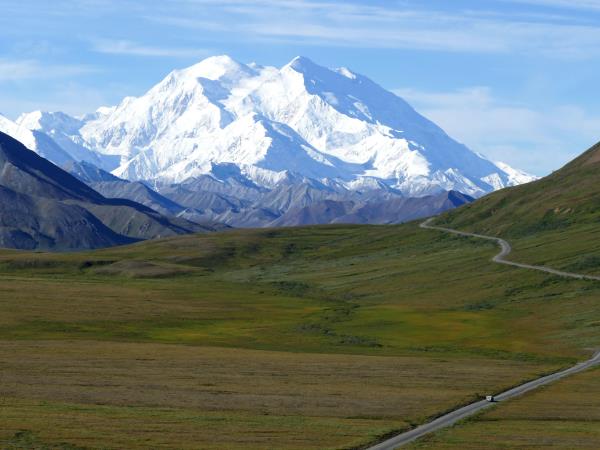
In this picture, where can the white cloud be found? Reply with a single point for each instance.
(508, 131)
(395, 26)
(124, 47)
(18, 70)
(399, 24)
(569, 4)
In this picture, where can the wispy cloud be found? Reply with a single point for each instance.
(19, 70)
(125, 47)
(509, 131)
(567, 4)
(403, 25)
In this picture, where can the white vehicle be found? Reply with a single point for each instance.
(490, 398)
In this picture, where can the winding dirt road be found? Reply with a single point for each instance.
(454, 416)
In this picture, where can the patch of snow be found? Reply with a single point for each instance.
(346, 72)
(494, 180)
(515, 176)
(35, 140)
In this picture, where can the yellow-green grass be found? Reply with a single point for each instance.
(399, 324)
(552, 221)
(564, 415)
(567, 199)
(574, 249)
(370, 290)
(116, 395)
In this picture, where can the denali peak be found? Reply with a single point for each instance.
(331, 125)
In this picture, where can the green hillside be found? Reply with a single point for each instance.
(553, 221)
(566, 198)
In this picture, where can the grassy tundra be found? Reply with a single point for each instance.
(316, 337)
(565, 415)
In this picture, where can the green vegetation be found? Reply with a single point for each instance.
(116, 395)
(316, 337)
(565, 199)
(553, 221)
(358, 290)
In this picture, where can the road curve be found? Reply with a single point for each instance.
(454, 416)
(505, 250)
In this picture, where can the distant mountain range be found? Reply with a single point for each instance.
(248, 145)
(291, 202)
(44, 207)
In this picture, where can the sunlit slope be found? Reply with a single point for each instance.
(566, 198)
(554, 221)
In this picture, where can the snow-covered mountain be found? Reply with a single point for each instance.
(35, 140)
(64, 131)
(330, 125)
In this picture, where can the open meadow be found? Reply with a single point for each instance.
(316, 337)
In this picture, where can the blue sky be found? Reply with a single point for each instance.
(515, 80)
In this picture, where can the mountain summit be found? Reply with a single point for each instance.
(330, 125)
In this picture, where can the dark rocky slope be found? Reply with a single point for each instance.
(44, 207)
